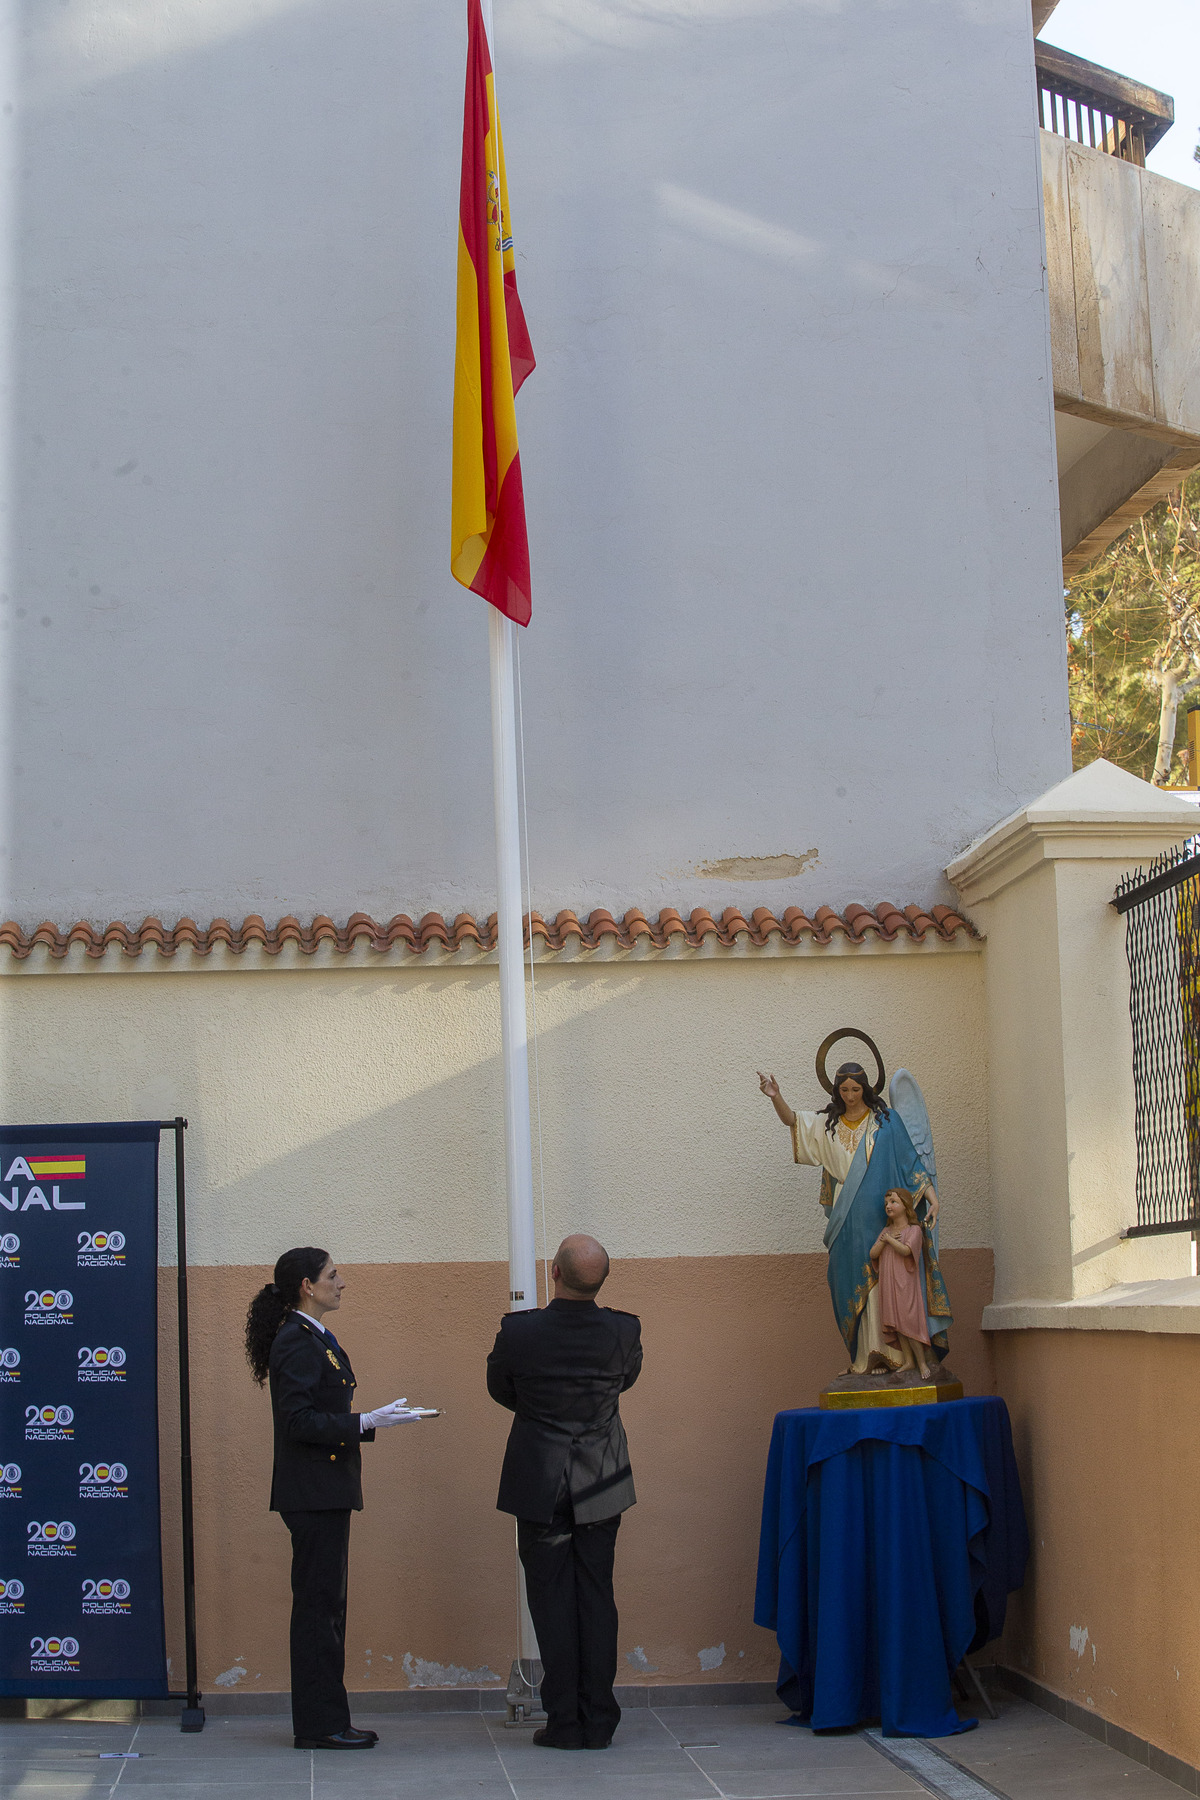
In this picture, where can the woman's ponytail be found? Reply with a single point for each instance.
(272, 1304)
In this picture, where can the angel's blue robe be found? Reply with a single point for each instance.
(858, 1216)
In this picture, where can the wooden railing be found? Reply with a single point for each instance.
(1094, 106)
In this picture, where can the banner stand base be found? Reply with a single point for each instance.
(108, 1709)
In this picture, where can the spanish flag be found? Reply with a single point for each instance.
(489, 551)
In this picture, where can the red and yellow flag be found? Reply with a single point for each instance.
(489, 550)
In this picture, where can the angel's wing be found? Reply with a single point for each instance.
(906, 1098)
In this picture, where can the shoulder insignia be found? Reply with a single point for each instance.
(616, 1313)
(333, 1359)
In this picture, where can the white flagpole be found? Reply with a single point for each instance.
(522, 1699)
(522, 1263)
(518, 1149)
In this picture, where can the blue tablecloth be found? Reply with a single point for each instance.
(891, 1538)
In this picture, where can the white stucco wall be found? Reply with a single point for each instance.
(788, 453)
(363, 1109)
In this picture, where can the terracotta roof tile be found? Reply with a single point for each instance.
(855, 925)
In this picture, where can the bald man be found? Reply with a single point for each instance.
(566, 1477)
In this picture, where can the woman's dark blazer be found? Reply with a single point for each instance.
(318, 1464)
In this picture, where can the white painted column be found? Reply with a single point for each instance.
(1060, 1044)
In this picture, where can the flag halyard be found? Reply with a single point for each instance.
(490, 549)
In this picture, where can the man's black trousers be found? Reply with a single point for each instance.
(569, 1580)
(320, 1558)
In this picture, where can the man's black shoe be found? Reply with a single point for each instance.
(595, 1743)
(549, 1740)
(350, 1739)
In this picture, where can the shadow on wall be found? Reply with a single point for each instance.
(370, 1107)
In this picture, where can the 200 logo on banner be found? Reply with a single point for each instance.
(50, 1537)
(103, 1481)
(54, 1656)
(108, 1598)
(49, 1306)
(49, 1424)
(100, 1250)
(101, 1364)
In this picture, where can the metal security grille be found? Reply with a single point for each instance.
(1162, 941)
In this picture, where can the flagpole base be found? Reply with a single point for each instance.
(523, 1700)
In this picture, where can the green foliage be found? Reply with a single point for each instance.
(1134, 612)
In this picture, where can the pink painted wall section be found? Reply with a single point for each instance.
(1104, 1425)
(728, 1340)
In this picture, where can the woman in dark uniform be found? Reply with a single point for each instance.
(316, 1483)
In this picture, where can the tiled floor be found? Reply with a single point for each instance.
(684, 1753)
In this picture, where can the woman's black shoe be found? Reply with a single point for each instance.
(350, 1739)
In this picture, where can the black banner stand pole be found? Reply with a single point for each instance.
(193, 1713)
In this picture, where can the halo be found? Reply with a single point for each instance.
(836, 1037)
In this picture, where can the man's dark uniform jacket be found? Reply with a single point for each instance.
(562, 1371)
(318, 1463)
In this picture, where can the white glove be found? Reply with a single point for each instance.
(393, 1414)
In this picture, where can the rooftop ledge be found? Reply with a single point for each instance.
(1128, 1306)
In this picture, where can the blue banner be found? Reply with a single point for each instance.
(81, 1605)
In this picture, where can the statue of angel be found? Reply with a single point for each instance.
(866, 1148)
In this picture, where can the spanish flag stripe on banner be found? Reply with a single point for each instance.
(490, 549)
(62, 1168)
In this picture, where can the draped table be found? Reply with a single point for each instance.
(891, 1539)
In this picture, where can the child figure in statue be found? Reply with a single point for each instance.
(899, 1255)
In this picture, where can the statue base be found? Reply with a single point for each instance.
(889, 1389)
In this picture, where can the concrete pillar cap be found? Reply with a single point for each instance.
(1100, 813)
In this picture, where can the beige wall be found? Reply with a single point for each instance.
(1110, 1466)
(363, 1106)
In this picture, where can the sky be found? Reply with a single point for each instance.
(1156, 41)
